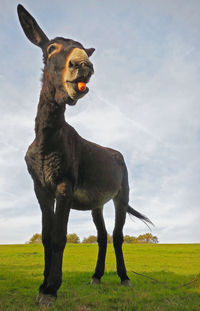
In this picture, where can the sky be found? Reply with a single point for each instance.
(144, 101)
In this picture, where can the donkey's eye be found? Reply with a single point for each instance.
(54, 48)
(51, 49)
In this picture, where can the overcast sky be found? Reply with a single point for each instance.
(144, 101)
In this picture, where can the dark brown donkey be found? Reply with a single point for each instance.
(66, 168)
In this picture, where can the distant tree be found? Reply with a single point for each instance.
(91, 239)
(130, 239)
(73, 238)
(154, 240)
(36, 239)
(147, 238)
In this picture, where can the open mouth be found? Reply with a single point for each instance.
(79, 85)
(76, 73)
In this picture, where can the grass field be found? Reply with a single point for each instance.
(173, 265)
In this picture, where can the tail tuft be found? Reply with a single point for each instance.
(135, 213)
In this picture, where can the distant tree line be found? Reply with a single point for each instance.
(92, 239)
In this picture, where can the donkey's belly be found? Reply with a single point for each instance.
(88, 199)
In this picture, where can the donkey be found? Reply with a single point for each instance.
(67, 169)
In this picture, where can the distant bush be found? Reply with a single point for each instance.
(73, 238)
(37, 238)
(147, 238)
(141, 239)
(92, 239)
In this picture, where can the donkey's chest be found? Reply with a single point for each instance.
(46, 168)
(53, 167)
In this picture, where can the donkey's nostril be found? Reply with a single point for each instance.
(87, 68)
(87, 65)
(73, 64)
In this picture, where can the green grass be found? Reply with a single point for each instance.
(21, 274)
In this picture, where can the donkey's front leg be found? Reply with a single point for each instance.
(47, 207)
(59, 234)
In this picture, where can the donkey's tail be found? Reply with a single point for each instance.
(135, 213)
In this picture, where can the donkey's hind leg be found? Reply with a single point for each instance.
(97, 215)
(120, 217)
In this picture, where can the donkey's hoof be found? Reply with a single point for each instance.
(46, 300)
(95, 281)
(126, 283)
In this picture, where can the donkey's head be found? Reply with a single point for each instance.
(66, 61)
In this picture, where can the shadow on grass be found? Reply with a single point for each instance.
(18, 291)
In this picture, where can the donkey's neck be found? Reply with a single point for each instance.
(50, 117)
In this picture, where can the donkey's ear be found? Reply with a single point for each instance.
(31, 29)
(90, 51)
